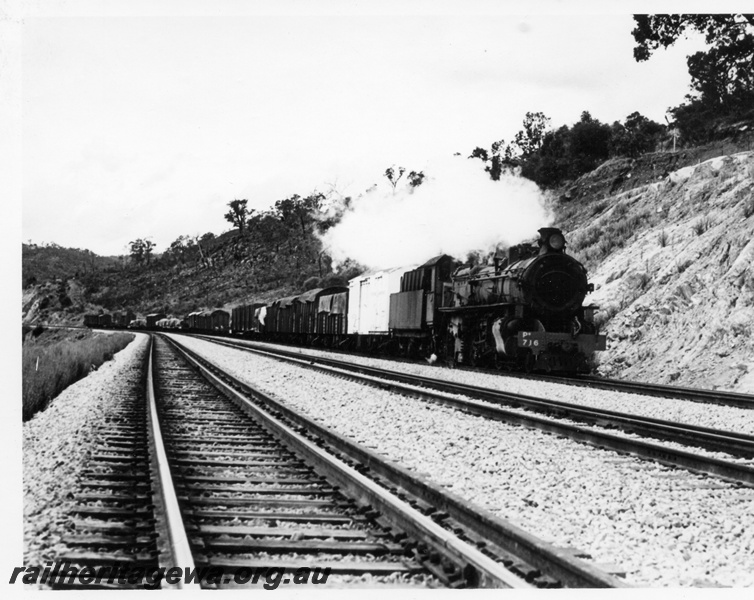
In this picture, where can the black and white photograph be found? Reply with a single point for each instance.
(359, 295)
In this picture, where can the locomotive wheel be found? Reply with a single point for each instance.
(476, 356)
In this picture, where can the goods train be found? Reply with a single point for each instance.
(524, 312)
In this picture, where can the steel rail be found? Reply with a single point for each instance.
(731, 471)
(659, 390)
(706, 396)
(561, 563)
(177, 550)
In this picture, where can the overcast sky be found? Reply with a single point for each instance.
(146, 122)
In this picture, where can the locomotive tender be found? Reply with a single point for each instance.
(522, 312)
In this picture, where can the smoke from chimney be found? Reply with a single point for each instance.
(457, 210)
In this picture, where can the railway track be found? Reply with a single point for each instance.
(739, 468)
(252, 502)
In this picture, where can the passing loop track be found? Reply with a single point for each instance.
(735, 444)
(445, 524)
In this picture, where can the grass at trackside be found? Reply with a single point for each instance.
(57, 358)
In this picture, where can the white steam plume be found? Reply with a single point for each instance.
(458, 209)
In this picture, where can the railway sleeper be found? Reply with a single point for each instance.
(139, 499)
(313, 532)
(111, 541)
(118, 528)
(120, 475)
(141, 559)
(245, 480)
(336, 567)
(288, 491)
(295, 517)
(116, 485)
(109, 512)
(297, 546)
(297, 503)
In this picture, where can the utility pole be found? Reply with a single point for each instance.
(676, 134)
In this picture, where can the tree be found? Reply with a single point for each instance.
(298, 211)
(529, 139)
(480, 153)
(141, 250)
(415, 178)
(148, 245)
(589, 144)
(181, 250)
(635, 136)
(137, 251)
(554, 160)
(238, 214)
(269, 230)
(197, 248)
(393, 175)
(498, 155)
(722, 74)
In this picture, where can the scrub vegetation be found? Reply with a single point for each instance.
(54, 359)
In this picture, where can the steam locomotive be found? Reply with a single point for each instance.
(521, 312)
(526, 311)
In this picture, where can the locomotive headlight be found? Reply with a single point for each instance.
(556, 241)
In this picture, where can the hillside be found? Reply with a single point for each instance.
(50, 262)
(228, 270)
(672, 260)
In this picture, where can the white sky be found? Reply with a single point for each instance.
(138, 120)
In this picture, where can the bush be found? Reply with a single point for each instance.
(681, 266)
(49, 369)
(702, 225)
(599, 208)
(587, 239)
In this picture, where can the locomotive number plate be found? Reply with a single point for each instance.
(529, 339)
